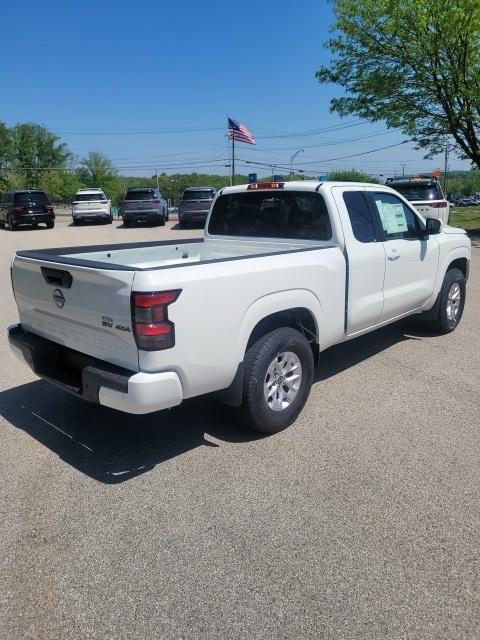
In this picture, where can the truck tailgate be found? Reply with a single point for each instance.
(83, 308)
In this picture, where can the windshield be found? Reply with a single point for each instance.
(419, 190)
(89, 197)
(33, 196)
(200, 194)
(292, 214)
(144, 194)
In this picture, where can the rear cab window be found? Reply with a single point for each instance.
(141, 194)
(198, 194)
(37, 197)
(89, 197)
(418, 190)
(299, 215)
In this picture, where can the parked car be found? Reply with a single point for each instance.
(145, 204)
(26, 207)
(285, 270)
(195, 205)
(467, 201)
(425, 194)
(91, 205)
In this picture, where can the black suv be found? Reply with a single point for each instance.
(26, 207)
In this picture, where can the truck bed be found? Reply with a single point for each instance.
(159, 255)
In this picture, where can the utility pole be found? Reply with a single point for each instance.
(445, 173)
(403, 165)
(156, 175)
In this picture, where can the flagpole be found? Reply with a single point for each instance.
(233, 158)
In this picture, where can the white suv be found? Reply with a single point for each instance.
(91, 204)
(425, 194)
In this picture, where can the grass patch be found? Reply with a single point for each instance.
(465, 217)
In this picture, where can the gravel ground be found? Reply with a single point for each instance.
(361, 521)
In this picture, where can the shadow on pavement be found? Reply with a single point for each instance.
(113, 447)
(110, 446)
(191, 225)
(348, 354)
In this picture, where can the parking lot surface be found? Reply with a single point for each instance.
(362, 521)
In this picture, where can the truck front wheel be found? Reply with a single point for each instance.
(278, 376)
(450, 302)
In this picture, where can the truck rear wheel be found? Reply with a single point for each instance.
(450, 302)
(278, 376)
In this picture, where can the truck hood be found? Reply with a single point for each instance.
(452, 230)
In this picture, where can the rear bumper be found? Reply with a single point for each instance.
(33, 218)
(95, 380)
(141, 216)
(188, 216)
(89, 215)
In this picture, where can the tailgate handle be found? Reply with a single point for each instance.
(57, 277)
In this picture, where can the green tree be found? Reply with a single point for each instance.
(95, 168)
(97, 171)
(35, 150)
(351, 175)
(414, 64)
(6, 153)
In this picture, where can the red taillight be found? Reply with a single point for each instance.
(48, 207)
(18, 209)
(152, 328)
(155, 201)
(266, 185)
(103, 201)
(437, 205)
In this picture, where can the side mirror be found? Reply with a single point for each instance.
(434, 226)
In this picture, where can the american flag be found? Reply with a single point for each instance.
(239, 131)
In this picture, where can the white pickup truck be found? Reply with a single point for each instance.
(285, 270)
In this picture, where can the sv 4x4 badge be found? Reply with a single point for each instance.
(108, 322)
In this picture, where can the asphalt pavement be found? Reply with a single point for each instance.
(362, 521)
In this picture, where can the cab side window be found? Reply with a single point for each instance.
(398, 220)
(361, 218)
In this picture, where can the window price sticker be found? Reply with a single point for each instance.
(392, 216)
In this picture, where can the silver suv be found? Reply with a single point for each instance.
(145, 204)
(195, 205)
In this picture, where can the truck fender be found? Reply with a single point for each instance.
(454, 254)
(274, 303)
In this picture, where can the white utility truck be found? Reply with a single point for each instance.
(284, 271)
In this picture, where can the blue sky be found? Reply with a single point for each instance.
(150, 84)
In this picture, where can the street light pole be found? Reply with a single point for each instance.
(292, 159)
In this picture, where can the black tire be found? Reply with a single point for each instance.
(444, 321)
(167, 217)
(50, 225)
(126, 223)
(254, 411)
(11, 224)
(162, 220)
(182, 224)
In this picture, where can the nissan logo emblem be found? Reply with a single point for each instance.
(58, 298)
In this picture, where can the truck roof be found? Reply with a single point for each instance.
(300, 185)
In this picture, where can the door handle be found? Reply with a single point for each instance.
(394, 255)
